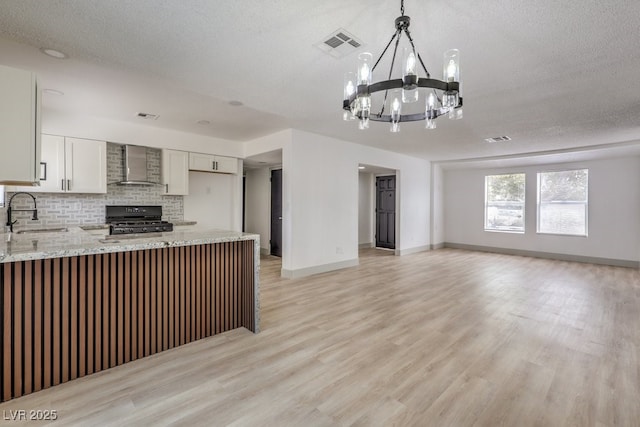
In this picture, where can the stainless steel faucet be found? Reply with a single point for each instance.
(10, 211)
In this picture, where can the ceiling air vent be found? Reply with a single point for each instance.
(498, 139)
(339, 43)
(148, 116)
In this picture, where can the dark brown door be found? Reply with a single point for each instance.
(276, 212)
(386, 212)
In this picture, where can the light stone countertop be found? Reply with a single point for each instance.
(76, 242)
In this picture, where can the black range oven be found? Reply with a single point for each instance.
(136, 219)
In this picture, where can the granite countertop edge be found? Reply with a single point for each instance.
(77, 242)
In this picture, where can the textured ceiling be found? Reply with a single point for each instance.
(551, 75)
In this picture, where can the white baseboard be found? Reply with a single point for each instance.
(317, 269)
(409, 251)
(365, 245)
(265, 251)
(437, 245)
(547, 255)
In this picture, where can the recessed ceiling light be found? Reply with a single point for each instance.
(52, 92)
(361, 167)
(236, 103)
(203, 122)
(53, 53)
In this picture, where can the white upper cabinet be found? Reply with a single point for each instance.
(209, 163)
(71, 165)
(51, 165)
(19, 127)
(175, 172)
(85, 166)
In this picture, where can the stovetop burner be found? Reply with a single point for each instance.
(136, 219)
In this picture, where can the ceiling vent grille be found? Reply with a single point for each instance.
(498, 139)
(148, 116)
(339, 43)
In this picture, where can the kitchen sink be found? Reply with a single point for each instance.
(44, 230)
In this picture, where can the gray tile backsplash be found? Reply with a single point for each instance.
(85, 209)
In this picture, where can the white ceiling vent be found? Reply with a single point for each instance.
(339, 43)
(498, 139)
(148, 116)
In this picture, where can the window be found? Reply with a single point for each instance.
(562, 202)
(504, 202)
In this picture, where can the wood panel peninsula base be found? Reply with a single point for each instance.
(71, 316)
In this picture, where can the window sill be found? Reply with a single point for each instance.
(561, 235)
(488, 230)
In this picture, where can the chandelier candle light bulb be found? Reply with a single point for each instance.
(409, 77)
(443, 96)
(430, 112)
(396, 111)
(364, 80)
(349, 91)
(451, 62)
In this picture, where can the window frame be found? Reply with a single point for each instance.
(524, 204)
(586, 203)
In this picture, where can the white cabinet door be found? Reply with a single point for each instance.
(175, 172)
(209, 163)
(226, 164)
(51, 165)
(19, 127)
(85, 166)
(201, 162)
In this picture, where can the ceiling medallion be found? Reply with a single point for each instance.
(439, 96)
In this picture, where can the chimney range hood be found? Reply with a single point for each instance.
(134, 165)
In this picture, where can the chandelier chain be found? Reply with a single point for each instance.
(402, 7)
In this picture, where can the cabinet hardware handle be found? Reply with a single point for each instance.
(213, 165)
(167, 188)
(68, 185)
(216, 165)
(62, 185)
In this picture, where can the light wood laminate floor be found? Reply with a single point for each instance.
(440, 338)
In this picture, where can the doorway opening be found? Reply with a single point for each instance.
(377, 225)
(276, 213)
(258, 198)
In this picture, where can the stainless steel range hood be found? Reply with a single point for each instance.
(134, 164)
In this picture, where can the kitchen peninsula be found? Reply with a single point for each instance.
(74, 303)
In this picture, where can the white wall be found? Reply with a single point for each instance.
(320, 199)
(437, 206)
(258, 205)
(365, 208)
(211, 200)
(613, 215)
(325, 187)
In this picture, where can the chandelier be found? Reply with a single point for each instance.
(440, 97)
